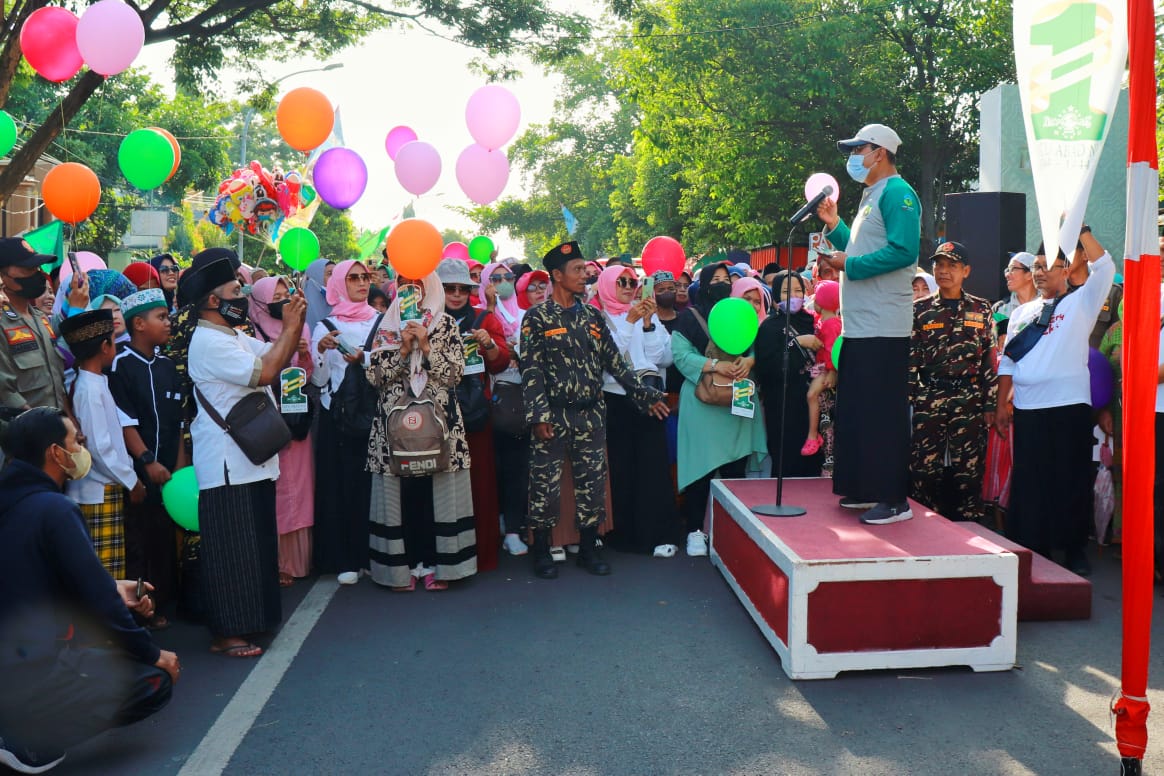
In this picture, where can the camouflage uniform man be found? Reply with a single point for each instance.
(953, 385)
(565, 347)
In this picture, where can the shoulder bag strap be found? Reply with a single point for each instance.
(213, 413)
(702, 323)
(372, 333)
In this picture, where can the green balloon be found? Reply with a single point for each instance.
(733, 325)
(481, 249)
(180, 497)
(145, 158)
(836, 352)
(7, 133)
(298, 247)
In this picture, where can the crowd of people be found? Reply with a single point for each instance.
(495, 408)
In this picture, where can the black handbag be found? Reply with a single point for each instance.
(509, 409)
(254, 423)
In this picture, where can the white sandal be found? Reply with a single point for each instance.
(666, 551)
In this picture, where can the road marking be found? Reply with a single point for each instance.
(224, 737)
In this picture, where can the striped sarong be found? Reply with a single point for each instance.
(453, 526)
(106, 525)
(240, 558)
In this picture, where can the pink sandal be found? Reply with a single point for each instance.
(811, 446)
(432, 583)
(406, 588)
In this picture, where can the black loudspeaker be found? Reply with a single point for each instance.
(992, 225)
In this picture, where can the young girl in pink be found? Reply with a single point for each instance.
(826, 303)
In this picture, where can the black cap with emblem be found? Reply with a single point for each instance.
(952, 250)
(561, 255)
(17, 252)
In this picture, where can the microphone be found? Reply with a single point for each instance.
(811, 206)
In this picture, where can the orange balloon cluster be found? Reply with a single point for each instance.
(414, 248)
(305, 118)
(71, 192)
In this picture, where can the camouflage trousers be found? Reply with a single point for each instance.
(948, 452)
(580, 436)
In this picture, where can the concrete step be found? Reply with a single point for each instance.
(1047, 591)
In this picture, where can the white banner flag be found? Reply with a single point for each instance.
(1070, 58)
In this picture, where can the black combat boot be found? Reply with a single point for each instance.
(589, 556)
(544, 566)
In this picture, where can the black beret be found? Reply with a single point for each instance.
(559, 256)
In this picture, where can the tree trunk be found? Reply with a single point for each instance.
(25, 159)
(928, 174)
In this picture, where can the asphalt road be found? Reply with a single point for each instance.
(656, 669)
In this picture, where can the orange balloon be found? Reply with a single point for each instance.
(71, 192)
(177, 149)
(305, 118)
(414, 248)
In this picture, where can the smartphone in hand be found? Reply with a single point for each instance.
(140, 590)
(76, 265)
(648, 288)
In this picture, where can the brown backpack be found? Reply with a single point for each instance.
(418, 437)
(709, 389)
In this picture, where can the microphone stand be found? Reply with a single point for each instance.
(780, 509)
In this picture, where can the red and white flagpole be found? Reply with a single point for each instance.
(1140, 359)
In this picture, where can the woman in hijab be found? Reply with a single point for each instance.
(500, 297)
(756, 293)
(712, 441)
(341, 500)
(315, 290)
(482, 336)
(295, 488)
(143, 275)
(924, 284)
(682, 284)
(786, 434)
(411, 538)
(533, 288)
(640, 477)
(167, 270)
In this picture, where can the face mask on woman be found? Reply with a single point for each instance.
(505, 290)
(793, 305)
(717, 291)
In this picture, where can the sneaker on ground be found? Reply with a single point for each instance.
(666, 551)
(26, 761)
(848, 502)
(559, 554)
(348, 577)
(514, 545)
(884, 514)
(697, 544)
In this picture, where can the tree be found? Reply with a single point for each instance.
(211, 33)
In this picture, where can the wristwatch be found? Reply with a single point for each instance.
(146, 458)
(714, 362)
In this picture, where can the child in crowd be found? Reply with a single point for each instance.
(826, 305)
(98, 485)
(144, 384)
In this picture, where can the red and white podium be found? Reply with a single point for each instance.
(831, 594)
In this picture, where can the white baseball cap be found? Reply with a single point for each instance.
(877, 134)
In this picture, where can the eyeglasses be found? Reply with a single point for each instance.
(360, 277)
(1012, 270)
(497, 278)
(537, 287)
(169, 269)
(457, 288)
(627, 283)
(1044, 268)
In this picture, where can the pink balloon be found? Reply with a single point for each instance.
(663, 253)
(816, 183)
(397, 138)
(49, 42)
(110, 36)
(88, 261)
(456, 250)
(492, 116)
(418, 167)
(482, 173)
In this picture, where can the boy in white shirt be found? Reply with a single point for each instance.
(100, 492)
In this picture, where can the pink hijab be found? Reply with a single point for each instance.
(744, 285)
(261, 295)
(508, 311)
(343, 308)
(523, 286)
(607, 296)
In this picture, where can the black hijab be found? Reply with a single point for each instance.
(802, 321)
(687, 324)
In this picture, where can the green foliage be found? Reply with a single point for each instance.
(454, 235)
(336, 233)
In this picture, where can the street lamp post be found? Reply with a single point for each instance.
(249, 114)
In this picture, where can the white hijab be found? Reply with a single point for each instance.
(433, 303)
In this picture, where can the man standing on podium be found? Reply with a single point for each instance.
(877, 258)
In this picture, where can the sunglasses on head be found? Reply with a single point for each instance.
(627, 283)
(457, 288)
(360, 277)
(507, 277)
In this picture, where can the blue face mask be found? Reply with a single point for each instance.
(793, 305)
(856, 168)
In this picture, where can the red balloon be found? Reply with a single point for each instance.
(49, 42)
(663, 253)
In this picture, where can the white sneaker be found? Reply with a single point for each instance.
(697, 544)
(514, 545)
(666, 551)
(558, 554)
(348, 578)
